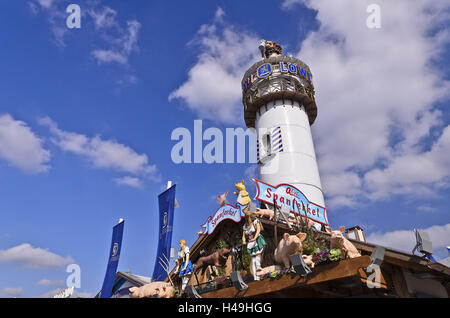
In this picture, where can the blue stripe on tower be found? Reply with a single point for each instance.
(257, 150)
(280, 147)
(276, 131)
(275, 144)
(277, 140)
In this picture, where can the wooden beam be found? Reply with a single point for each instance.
(363, 277)
(399, 282)
(320, 274)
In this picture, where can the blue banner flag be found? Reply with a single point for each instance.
(114, 254)
(166, 208)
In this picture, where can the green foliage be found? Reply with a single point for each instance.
(274, 274)
(335, 254)
(246, 259)
(177, 293)
(221, 244)
(314, 241)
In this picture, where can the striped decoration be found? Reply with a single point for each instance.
(257, 151)
(277, 140)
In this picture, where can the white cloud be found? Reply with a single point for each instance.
(109, 56)
(344, 187)
(121, 40)
(129, 181)
(213, 88)
(128, 79)
(46, 3)
(408, 173)
(251, 172)
(56, 18)
(76, 294)
(48, 282)
(405, 240)
(426, 208)
(218, 16)
(106, 154)
(33, 257)
(51, 293)
(121, 45)
(289, 4)
(375, 91)
(105, 18)
(33, 7)
(21, 147)
(11, 292)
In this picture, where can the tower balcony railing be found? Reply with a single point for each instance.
(277, 85)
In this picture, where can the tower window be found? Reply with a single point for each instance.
(267, 143)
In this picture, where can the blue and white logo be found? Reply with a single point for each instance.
(264, 70)
(115, 249)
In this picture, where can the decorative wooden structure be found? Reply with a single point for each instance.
(356, 233)
(401, 274)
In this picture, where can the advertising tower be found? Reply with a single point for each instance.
(278, 98)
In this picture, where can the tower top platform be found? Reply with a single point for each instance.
(277, 77)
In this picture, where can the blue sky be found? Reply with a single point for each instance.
(86, 117)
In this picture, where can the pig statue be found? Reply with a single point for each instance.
(154, 289)
(338, 240)
(308, 260)
(267, 270)
(265, 212)
(289, 245)
(222, 199)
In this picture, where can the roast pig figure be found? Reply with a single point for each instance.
(338, 240)
(289, 245)
(265, 212)
(154, 289)
(267, 270)
(217, 259)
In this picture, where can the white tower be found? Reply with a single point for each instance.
(278, 98)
